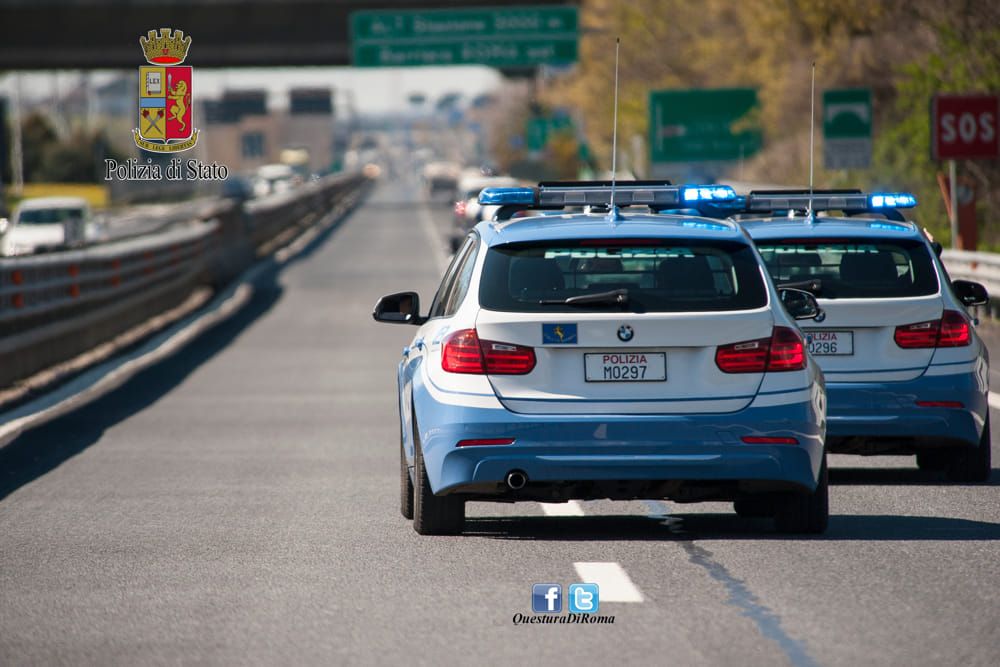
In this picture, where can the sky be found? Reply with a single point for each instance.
(374, 90)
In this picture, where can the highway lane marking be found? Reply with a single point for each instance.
(611, 578)
(571, 508)
(739, 595)
(112, 374)
(994, 400)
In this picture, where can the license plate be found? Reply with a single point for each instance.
(829, 343)
(625, 367)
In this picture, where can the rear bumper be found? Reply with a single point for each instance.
(869, 417)
(569, 451)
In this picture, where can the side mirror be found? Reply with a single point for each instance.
(970, 293)
(801, 305)
(399, 308)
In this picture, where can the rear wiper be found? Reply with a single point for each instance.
(618, 297)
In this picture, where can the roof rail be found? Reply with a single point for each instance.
(657, 195)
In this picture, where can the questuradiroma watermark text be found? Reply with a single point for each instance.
(579, 619)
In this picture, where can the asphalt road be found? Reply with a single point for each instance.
(238, 505)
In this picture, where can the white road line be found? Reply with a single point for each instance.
(437, 248)
(994, 399)
(612, 580)
(571, 508)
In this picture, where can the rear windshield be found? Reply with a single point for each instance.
(853, 269)
(657, 276)
(49, 216)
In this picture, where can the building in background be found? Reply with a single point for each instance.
(243, 134)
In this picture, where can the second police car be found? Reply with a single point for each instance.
(602, 354)
(905, 371)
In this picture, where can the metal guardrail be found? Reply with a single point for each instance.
(31, 286)
(57, 305)
(982, 267)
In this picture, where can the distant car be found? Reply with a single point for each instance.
(47, 223)
(905, 371)
(274, 178)
(440, 179)
(468, 212)
(608, 355)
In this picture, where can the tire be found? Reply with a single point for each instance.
(975, 463)
(933, 460)
(433, 515)
(807, 512)
(754, 508)
(405, 485)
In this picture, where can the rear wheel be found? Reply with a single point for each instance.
(433, 515)
(975, 463)
(806, 512)
(405, 485)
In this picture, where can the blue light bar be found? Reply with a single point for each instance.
(888, 227)
(501, 196)
(891, 200)
(707, 193)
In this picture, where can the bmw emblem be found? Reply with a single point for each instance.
(625, 333)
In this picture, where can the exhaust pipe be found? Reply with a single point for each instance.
(516, 480)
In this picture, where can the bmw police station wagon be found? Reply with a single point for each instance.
(906, 372)
(601, 354)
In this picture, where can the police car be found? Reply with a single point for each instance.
(603, 354)
(905, 371)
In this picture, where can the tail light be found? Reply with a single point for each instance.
(955, 331)
(952, 330)
(463, 352)
(460, 208)
(769, 440)
(783, 351)
(485, 442)
(788, 352)
(940, 404)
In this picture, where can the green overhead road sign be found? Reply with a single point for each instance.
(847, 128)
(700, 125)
(500, 37)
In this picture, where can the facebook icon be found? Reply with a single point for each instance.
(546, 598)
(584, 598)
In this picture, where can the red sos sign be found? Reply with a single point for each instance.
(964, 127)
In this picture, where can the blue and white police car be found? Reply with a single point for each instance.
(905, 371)
(602, 354)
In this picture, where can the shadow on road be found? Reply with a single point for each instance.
(42, 449)
(843, 527)
(900, 477)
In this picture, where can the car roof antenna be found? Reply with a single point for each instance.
(614, 215)
(810, 214)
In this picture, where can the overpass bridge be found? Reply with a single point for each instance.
(90, 34)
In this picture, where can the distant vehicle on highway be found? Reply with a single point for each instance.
(274, 178)
(440, 179)
(906, 372)
(609, 355)
(47, 223)
(468, 212)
